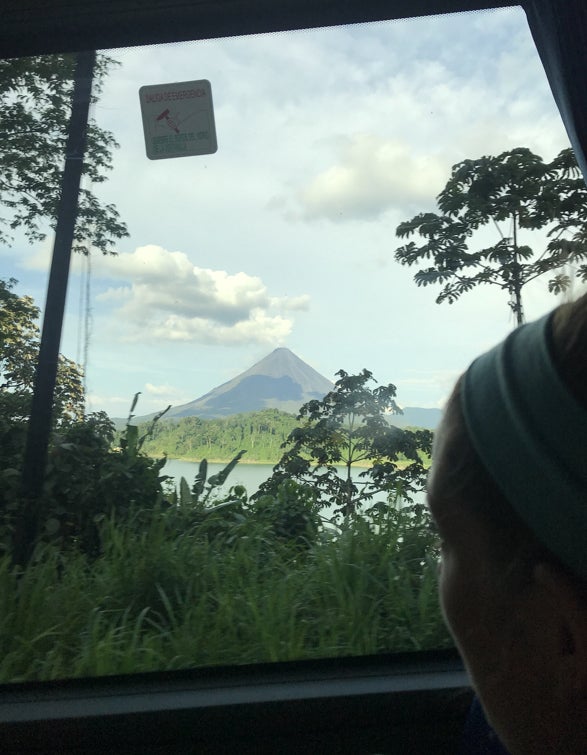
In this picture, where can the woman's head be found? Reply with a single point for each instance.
(512, 583)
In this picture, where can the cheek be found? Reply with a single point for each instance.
(449, 592)
(470, 615)
(460, 595)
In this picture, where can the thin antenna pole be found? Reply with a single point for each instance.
(39, 429)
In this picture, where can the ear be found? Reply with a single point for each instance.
(566, 604)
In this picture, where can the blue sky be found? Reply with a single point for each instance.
(285, 237)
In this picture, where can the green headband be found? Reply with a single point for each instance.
(530, 434)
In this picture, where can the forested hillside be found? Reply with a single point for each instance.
(259, 433)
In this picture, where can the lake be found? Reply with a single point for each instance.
(249, 475)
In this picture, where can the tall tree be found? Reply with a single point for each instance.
(35, 104)
(512, 194)
(19, 346)
(348, 428)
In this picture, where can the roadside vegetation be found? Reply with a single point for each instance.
(227, 590)
(133, 573)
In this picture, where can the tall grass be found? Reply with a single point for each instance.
(161, 599)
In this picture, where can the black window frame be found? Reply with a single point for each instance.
(409, 703)
(396, 703)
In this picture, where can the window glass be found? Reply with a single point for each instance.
(249, 277)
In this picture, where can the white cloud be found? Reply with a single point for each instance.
(371, 176)
(166, 391)
(166, 297)
(119, 406)
(348, 122)
(292, 303)
(157, 397)
(258, 328)
(432, 383)
(38, 256)
(115, 406)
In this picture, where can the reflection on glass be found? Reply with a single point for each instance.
(249, 278)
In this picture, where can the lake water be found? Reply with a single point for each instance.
(249, 475)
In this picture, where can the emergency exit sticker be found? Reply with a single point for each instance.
(178, 119)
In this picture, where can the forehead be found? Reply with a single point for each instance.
(437, 477)
(461, 530)
(447, 480)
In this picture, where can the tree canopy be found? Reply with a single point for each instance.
(350, 427)
(513, 194)
(260, 433)
(35, 104)
(19, 347)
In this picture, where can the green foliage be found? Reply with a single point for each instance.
(292, 511)
(19, 348)
(197, 496)
(189, 506)
(131, 442)
(86, 480)
(35, 104)
(259, 433)
(514, 192)
(127, 576)
(160, 598)
(19, 344)
(349, 427)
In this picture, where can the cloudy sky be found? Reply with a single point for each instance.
(285, 236)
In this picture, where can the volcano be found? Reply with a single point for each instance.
(279, 381)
